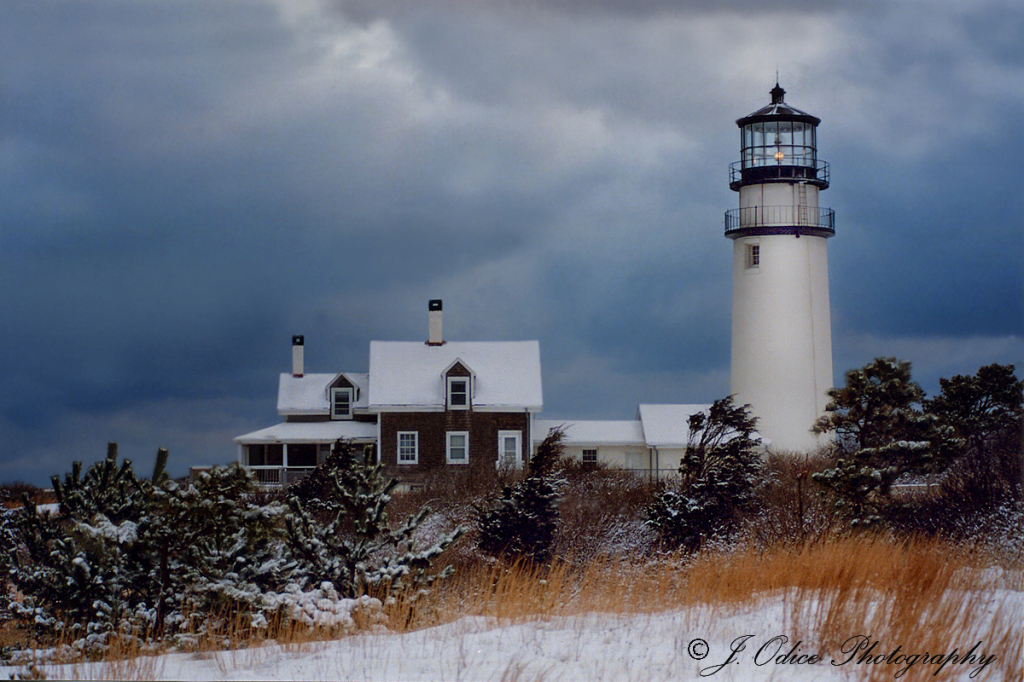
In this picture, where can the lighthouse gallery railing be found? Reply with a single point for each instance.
(780, 216)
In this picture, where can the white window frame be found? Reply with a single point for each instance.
(469, 391)
(415, 448)
(753, 256)
(448, 447)
(585, 452)
(502, 436)
(335, 414)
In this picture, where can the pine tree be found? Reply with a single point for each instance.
(8, 546)
(216, 549)
(315, 490)
(879, 404)
(718, 476)
(521, 522)
(83, 571)
(986, 410)
(130, 555)
(982, 406)
(882, 433)
(357, 551)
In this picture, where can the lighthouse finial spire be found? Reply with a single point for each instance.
(777, 92)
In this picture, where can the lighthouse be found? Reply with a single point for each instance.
(781, 327)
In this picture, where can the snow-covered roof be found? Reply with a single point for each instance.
(308, 394)
(667, 426)
(579, 432)
(311, 432)
(410, 373)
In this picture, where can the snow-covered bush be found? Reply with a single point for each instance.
(142, 557)
(521, 522)
(356, 550)
(128, 557)
(8, 539)
(719, 474)
(324, 608)
(219, 552)
(83, 571)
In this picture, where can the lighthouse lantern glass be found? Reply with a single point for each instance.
(779, 141)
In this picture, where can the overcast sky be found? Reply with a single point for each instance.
(184, 185)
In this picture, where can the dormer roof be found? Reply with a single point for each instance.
(455, 363)
(309, 394)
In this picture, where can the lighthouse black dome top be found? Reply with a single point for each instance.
(778, 143)
(778, 108)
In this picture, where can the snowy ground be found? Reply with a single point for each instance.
(679, 645)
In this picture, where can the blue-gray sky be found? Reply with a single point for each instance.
(184, 185)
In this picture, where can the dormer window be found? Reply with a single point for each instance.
(458, 393)
(341, 403)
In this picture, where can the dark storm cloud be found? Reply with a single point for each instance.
(185, 185)
(367, 10)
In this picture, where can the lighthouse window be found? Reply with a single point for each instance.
(767, 143)
(753, 255)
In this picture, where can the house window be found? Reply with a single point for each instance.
(266, 454)
(341, 403)
(590, 456)
(753, 256)
(458, 447)
(324, 453)
(458, 393)
(302, 454)
(408, 447)
(508, 449)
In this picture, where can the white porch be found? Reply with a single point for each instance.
(281, 455)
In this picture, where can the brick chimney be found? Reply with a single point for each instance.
(436, 337)
(297, 355)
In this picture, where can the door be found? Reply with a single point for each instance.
(509, 449)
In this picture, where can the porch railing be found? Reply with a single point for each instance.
(278, 477)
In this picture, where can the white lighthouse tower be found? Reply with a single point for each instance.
(781, 336)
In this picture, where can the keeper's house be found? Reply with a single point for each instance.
(427, 406)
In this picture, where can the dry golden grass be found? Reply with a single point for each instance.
(850, 566)
(922, 594)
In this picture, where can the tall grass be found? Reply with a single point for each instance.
(925, 595)
(866, 564)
